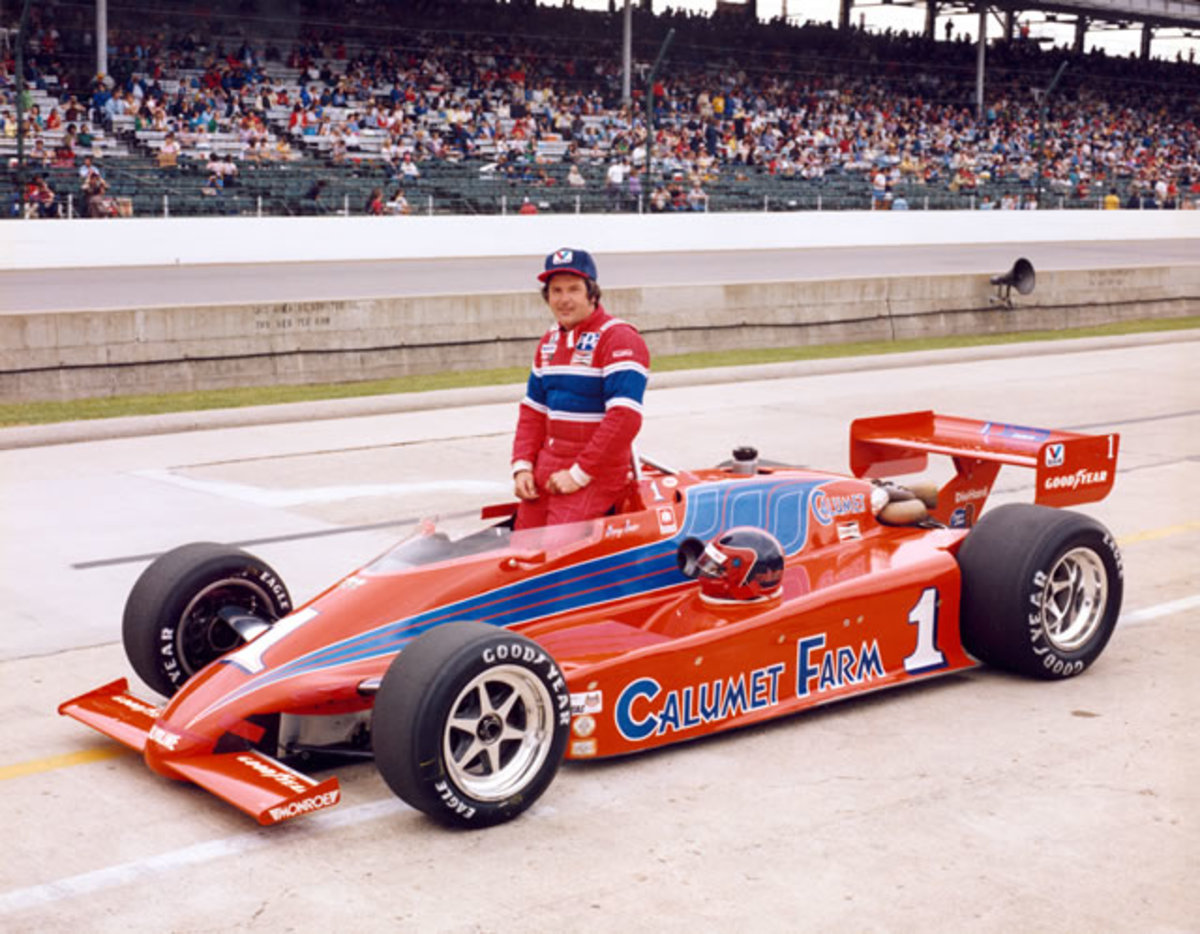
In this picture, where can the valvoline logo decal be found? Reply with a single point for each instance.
(562, 256)
(1055, 455)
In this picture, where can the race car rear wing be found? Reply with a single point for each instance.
(1070, 467)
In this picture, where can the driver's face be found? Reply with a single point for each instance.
(569, 300)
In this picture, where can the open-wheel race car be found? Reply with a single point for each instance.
(469, 665)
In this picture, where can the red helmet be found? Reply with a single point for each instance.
(741, 564)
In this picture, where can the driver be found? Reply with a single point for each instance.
(573, 449)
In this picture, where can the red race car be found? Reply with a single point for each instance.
(470, 665)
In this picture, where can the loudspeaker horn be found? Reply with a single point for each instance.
(1021, 277)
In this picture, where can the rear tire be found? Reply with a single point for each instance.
(470, 724)
(172, 627)
(1041, 590)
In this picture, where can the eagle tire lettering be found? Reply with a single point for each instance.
(173, 624)
(282, 599)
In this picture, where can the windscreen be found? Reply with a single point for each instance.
(434, 540)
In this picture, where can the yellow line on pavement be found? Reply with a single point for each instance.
(1151, 535)
(51, 763)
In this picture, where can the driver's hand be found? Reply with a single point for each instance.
(524, 485)
(562, 483)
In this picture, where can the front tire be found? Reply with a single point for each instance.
(177, 615)
(1041, 590)
(470, 724)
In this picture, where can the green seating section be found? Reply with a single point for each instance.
(476, 188)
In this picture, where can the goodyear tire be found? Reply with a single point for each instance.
(177, 615)
(470, 724)
(1041, 590)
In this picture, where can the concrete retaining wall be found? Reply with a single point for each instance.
(79, 354)
(65, 355)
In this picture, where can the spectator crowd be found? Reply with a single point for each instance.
(520, 90)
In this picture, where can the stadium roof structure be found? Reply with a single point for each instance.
(1182, 13)
(1148, 14)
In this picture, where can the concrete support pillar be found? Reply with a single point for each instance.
(980, 61)
(1147, 35)
(627, 55)
(931, 12)
(102, 37)
(846, 7)
(1081, 28)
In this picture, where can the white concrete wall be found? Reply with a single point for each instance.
(163, 241)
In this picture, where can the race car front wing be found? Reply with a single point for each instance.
(250, 780)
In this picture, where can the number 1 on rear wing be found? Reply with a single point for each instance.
(1070, 467)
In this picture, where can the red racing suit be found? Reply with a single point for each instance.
(581, 411)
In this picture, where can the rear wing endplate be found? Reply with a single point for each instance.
(1070, 467)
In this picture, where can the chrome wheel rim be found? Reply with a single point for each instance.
(202, 635)
(499, 733)
(1074, 599)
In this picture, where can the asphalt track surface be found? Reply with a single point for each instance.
(154, 287)
(979, 802)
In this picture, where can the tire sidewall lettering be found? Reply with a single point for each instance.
(497, 652)
(1056, 663)
(283, 602)
(159, 641)
(530, 656)
(1008, 613)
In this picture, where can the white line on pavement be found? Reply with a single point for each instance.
(109, 877)
(125, 873)
(282, 498)
(1160, 610)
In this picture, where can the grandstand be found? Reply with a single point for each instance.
(250, 113)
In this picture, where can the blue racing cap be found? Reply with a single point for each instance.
(576, 262)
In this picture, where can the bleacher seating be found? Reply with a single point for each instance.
(521, 150)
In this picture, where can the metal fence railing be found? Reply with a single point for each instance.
(136, 187)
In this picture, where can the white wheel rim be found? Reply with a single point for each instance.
(1074, 599)
(499, 733)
